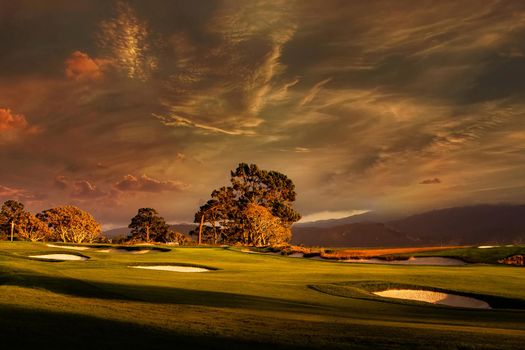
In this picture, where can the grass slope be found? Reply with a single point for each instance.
(251, 301)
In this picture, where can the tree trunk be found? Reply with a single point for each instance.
(200, 229)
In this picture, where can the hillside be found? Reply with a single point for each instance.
(356, 234)
(467, 225)
(482, 224)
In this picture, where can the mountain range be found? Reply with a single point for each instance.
(469, 225)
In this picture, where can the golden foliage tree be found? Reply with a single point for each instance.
(262, 228)
(33, 229)
(71, 224)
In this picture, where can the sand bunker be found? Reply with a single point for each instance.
(124, 251)
(173, 268)
(487, 246)
(412, 261)
(434, 298)
(72, 247)
(296, 255)
(58, 257)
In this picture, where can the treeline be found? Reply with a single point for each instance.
(67, 224)
(71, 224)
(256, 209)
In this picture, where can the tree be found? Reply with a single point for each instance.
(71, 224)
(11, 212)
(175, 237)
(262, 228)
(33, 229)
(148, 226)
(227, 214)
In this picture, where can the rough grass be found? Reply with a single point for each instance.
(251, 301)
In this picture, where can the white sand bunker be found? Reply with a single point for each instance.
(58, 257)
(413, 261)
(488, 246)
(72, 247)
(173, 268)
(434, 298)
(124, 251)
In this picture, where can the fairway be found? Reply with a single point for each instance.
(245, 300)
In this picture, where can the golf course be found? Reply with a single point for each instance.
(223, 297)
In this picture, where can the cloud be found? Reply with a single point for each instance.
(14, 126)
(19, 194)
(173, 120)
(126, 40)
(83, 189)
(80, 67)
(61, 182)
(10, 121)
(225, 87)
(328, 215)
(314, 91)
(145, 183)
(430, 181)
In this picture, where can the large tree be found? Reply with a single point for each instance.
(148, 226)
(71, 224)
(230, 215)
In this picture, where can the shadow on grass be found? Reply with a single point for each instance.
(36, 329)
(144, 293)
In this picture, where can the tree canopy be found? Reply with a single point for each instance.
(26, 226)
(71, 224)
(255, 209)
(148, 226)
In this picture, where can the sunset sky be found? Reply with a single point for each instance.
(390, 106)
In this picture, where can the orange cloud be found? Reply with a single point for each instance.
(10, 121)
(14, 125)
(81, 67)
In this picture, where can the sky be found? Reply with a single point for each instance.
(389, 106)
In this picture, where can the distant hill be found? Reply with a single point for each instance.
(365, 217)
(482, 224)
(362, 234)
(124, 231)
(467, 225)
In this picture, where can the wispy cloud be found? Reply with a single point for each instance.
(145, 183)
(126, 40)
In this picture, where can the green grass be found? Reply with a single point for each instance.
(476, 255)
(250, 301)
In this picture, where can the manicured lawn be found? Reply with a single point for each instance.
(251, 301)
